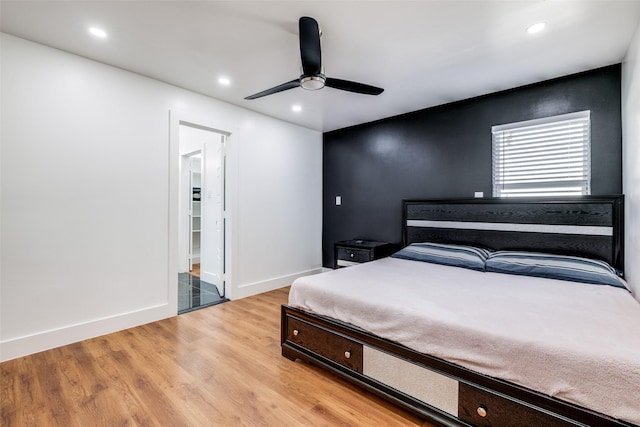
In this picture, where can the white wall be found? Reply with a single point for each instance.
(631, 161)
(85, 209)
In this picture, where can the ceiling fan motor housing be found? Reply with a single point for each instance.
(312, 82)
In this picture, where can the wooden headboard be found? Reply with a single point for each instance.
(587, 226)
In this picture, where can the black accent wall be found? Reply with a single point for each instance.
(445, 152)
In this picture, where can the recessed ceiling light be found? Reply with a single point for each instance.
(296, 108)
(98, 32)
(536, 28)
(224, 81)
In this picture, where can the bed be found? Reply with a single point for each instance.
(463, 346)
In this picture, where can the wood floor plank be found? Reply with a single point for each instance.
(98, 398)
(217, 366)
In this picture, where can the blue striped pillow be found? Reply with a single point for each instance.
(445, 254)
(574, 269)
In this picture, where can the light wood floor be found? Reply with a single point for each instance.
(195, 270)
(219, 366)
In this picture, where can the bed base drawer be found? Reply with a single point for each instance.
(338, 349)
(482, 408)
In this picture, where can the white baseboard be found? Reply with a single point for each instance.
(269, 285)
(29, 344)
(45, 340)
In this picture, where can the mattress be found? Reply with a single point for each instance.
(573, 341)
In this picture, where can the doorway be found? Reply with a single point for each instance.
(201, 275)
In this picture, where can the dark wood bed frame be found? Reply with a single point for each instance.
(587, 226)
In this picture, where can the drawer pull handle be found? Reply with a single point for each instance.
(347, 354)
(295, 332)
(351, 255)
(482, 411)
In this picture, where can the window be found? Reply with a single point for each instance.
(544, 157)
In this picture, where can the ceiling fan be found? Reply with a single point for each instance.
(313, 77)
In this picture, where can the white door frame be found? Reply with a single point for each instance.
(176, 118)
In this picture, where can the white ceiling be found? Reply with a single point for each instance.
(423, 53)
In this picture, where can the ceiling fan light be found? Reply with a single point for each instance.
(312, 82)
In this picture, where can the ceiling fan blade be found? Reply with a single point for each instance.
(310, 46)
(284, 86)
(353, 86)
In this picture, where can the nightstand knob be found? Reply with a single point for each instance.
(295, 332)
(482, 411)
(347, 354)
(351, 255)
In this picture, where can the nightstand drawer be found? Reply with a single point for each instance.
(354, 255)
(353, 252)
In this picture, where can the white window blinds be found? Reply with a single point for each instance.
(544, 157)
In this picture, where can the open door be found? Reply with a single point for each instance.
(213, 208)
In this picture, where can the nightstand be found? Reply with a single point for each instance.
(353, 252)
